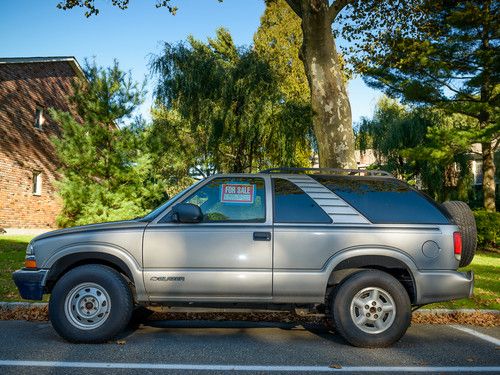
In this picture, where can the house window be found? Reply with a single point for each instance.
(37, 183)
(39, 119)
(477, 171)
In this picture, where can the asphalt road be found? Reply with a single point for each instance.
(186, 347)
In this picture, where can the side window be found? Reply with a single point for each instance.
(384, 200)
(293, 205)
(231, 199)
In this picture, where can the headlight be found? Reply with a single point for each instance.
(29, 260)
(30, 250)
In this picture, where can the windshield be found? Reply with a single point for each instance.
(161, 208)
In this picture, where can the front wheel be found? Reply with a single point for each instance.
(90, 304)
(371, 309)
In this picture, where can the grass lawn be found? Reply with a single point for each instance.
(12, 252)
(485, 265)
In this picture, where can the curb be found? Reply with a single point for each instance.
(451, 311)
(22, 305)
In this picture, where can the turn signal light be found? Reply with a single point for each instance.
(30, 263)
(457, 245)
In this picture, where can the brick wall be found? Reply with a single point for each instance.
(24, 148)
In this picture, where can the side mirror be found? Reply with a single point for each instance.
(187, 213)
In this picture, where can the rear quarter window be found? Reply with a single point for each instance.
(384, 200)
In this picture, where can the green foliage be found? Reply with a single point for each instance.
(12, 253)
(422, 146)
(278, 41)
(360, 22)
(450, 60)
(222, 108)
(107, 175)
(488, 229)
(91, 9)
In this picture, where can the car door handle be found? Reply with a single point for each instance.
(262, 236)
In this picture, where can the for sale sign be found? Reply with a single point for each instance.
(237, 193)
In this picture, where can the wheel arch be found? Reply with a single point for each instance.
(73, 260)
(392, 262)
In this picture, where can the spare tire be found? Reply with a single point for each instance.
(464, 218)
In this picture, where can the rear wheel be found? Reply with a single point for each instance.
(90, 304)
(371, 309)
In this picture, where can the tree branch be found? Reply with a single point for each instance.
(450, 87)
(200, 172)
(496, 143)
(296, 7)
(337, 7)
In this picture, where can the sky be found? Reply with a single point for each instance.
(37, 28)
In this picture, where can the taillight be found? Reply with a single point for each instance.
(457, 245)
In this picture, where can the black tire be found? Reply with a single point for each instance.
(344, 295)
(113, 321)
(328, 319)
(140, 315)
(464, 218)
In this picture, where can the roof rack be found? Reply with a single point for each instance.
(336, 171)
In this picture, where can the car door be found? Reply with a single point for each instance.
(226, 257)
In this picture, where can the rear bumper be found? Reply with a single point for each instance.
(31, 283)
(439, 286)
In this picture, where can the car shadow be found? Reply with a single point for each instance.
(318, 330)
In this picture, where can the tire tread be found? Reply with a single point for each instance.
(121, 315)
(355, 336)
(464, 218)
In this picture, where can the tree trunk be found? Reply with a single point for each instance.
(488, 177)
(484, 119)
(332, 120)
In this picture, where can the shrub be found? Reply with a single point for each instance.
(488, 229)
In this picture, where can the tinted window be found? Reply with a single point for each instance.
(384, 200)
(231, 200)
(292, 205)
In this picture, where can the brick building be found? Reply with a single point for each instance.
(28, 164)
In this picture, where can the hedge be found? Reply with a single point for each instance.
(488, 229)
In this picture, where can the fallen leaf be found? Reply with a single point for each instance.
(121, 342)
(337, 366)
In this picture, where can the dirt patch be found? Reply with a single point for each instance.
(39, 312)
(480, 319)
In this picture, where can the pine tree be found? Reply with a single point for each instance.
(450, 61)
(106, 174)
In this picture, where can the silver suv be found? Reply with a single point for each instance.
(362, 247)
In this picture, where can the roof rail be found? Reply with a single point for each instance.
(336, 171)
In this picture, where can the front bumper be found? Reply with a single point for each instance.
(439, 286)
(31, 283)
